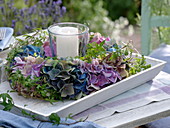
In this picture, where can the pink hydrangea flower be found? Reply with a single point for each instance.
(47, 49)
(98, 38)
(29, 66)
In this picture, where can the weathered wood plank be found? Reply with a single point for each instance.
(163, 21)
(146, 27)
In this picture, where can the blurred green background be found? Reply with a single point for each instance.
(118, 19)
(102, 16)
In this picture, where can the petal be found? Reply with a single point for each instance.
(99, 68)
(67, 90)
(83, 76)
(102, 80)
(92, 78)
(107, 73)
(19, 61)
(108, 39)
(53, 73)
(92, 86)
(113, 79)
(101, 40)
(95, 62)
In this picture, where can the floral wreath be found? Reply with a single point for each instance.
(33, 72)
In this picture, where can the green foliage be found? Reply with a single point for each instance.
(69, 116)
(26, 81)
(8, 104)
(38, 40)
(139, 65)
(54, 118)
(124, 56)
(125, 8)
(164, 33)
(7, 101)
(31, 87)
(21, 3)
(161, 8)
(94, 50)
(24, 113)
(28, 85)
(90, 12)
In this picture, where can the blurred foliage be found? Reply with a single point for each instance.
(161, 8)
(95, 16)
(24, 3)
(19, 4)
(93, 13)
(90, 12)
(26, 15)
(125, 8)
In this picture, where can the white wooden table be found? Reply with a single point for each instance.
(133, 117)
(138, 116)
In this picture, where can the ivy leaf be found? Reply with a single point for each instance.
(25, 113)
(69, 116)
(7, 101)
(94, 50)
(126, 52)
(28, 114)
(54, 118)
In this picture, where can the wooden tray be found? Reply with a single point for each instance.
(44, 108)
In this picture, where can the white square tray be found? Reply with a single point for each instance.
(44, 108)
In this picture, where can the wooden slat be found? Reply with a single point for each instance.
(147, 23)
(138, 116)
(146, 28)
(163, 21)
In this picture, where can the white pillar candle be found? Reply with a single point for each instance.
(67, 42)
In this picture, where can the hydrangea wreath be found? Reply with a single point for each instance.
(33, 72)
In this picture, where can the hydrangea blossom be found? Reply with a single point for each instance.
(66, 78)
(29, 66)
(98, 38)
(29, 62)
(47, 49)
(99, 75)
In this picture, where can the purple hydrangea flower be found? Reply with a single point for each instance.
(99, 75)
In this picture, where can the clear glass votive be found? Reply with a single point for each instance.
(70, 39)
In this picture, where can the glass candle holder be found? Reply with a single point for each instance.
(68, 39)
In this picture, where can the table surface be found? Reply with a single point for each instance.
(133, 117)
(140, 115)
